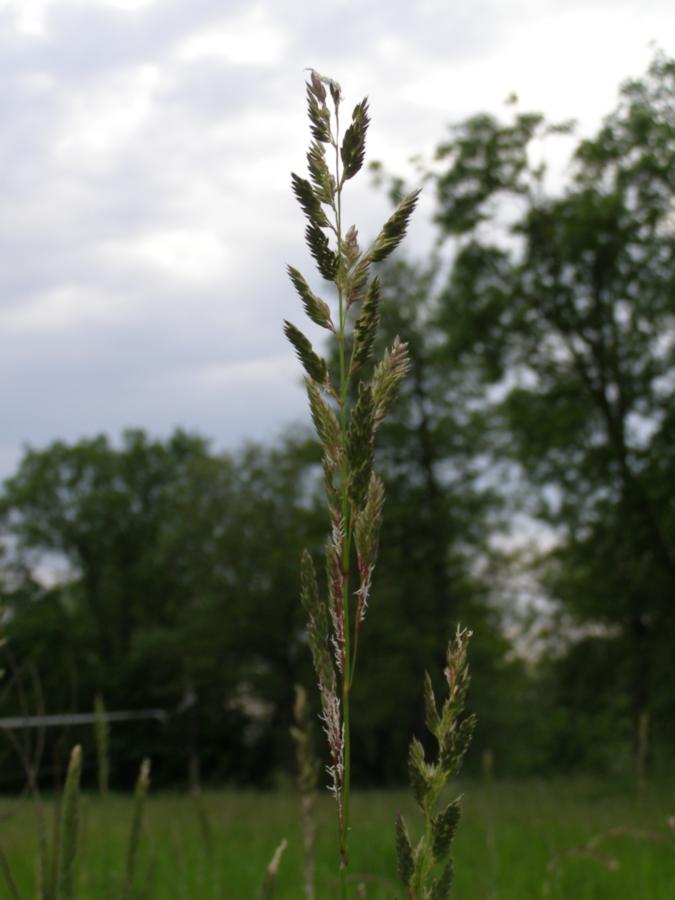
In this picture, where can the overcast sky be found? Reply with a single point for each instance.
(145, 210)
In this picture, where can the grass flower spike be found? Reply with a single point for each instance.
(426, 870)
(346, 410)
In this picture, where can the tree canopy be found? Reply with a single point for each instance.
(566, 304)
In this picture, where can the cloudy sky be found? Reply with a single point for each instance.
(145, 210)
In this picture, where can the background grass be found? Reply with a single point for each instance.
(516, 842)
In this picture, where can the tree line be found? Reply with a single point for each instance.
(539, 404)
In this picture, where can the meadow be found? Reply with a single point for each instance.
(571, 839)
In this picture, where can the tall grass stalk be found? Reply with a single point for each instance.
(102, 739)
(140, 795)
(426, 869)
(8, 877)
(269, 884)
(70, 825)
(308, 777)
(205, 827)
(345, 426)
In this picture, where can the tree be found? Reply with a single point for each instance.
(180, 574)
(565, 303)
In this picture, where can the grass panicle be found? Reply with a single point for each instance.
(426, 868)
(345, 427)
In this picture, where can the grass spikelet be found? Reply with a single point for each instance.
(319, 116)
(358, 279)
(308, 200)
(322, 180)
(389, 373)
(312, 364)
(316, 308)
(404, 852)
(326, 260)
(366, 538)
(318, 627)
(365, 328)
(325, 422)
(361, 446)
(394, 229)
(353, 148)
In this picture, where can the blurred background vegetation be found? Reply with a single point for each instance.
(530, 473)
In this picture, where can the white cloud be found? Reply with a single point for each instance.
(107, 117)
(260, 372)
(61, 310)
(249, 39)
(564, 60)
(128, 5)
(29, 15)
(188, 254)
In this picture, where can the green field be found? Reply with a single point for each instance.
(516, 841)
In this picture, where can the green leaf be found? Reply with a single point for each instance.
(316, 308)
(394, 229)
(314, 366)
(404, 852)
